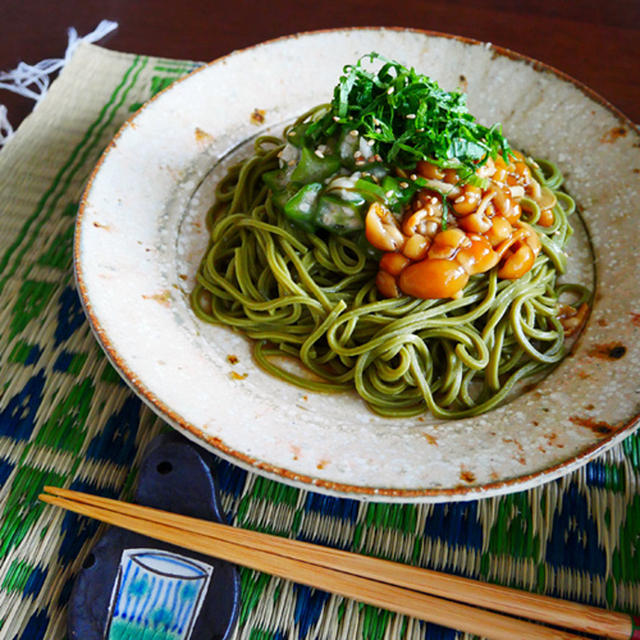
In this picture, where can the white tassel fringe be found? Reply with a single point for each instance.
(32, 80)
(6, 130)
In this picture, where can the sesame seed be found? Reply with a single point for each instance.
(292, 134)
(377, 157)
(336, 118)
(404, 185)
(359, 162)
(389, 90)
(413, 176)
(410, 116)
(459, 199)
(357, 154)
(389, 193)
(319, 153)
(371, 142)
(353, 132)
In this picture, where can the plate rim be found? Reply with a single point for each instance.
(282, 474)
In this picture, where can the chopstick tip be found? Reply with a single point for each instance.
(48, 488)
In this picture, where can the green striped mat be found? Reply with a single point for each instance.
(66, 418)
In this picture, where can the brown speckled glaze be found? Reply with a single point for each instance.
(140, 235)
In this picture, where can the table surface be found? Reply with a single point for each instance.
(596, 42)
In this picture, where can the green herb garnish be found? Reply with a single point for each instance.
(409, 118)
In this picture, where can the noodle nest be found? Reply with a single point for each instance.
(313, 298)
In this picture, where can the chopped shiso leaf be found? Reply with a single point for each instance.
(409, 118)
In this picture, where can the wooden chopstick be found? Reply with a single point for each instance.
(379, 594)
(378, 582)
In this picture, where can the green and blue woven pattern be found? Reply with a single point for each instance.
(67, 419)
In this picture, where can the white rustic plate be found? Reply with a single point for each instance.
(140, 236)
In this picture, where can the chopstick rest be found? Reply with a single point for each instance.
(135, 586)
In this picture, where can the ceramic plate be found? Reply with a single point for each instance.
(140, 236)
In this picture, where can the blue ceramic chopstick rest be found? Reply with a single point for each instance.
(136, 588)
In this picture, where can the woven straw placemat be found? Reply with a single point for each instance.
(67, 419)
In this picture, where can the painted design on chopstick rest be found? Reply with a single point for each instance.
(132, 587)
(157, 594)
